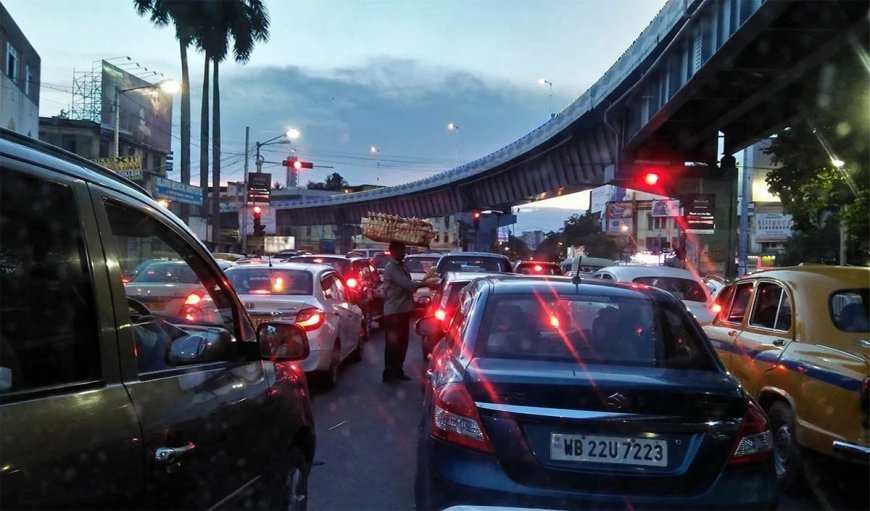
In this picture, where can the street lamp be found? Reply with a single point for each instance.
(377, 152)
(290, 134)
(455, 128)
(168, 86)
(544, 81)
(837, 163)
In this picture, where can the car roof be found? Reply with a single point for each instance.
(637, 270)
(410, 256)
(834, 276)
(464, 276)
(474, 254)
(551, 263)
(507, 283)
(310, 267)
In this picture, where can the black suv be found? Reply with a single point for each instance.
(110, 401)
(475, 262)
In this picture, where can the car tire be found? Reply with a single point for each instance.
(786, 451)
(356, 354)
(290, 488)
(330, 377)
(366, 329)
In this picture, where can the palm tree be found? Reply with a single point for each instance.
(247, 22)
(184, 14)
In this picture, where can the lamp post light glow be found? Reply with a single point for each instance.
(292, 134)
(837, 163)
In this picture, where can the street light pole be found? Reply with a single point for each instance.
(117, 119)
(455, 128)
(544, 81)
(245, 192)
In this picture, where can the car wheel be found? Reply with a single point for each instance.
(786, 451)
(365, 332)
(331, 376)
(291, 489)
(356, 354)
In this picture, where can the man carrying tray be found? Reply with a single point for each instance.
(398, 307)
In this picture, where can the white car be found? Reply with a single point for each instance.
(165, 287)
(312, 296)
(683, 284)
(418, 265)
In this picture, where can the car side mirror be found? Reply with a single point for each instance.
(282, 342)
(428, 327)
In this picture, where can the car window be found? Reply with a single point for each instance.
(338, 264)
(592, 329)
(849, 310)
(783, 317)
(476, 264)
(177, 272)
(420, 264)
(268, 281)
(742, 294)
(684, 289)
(167, 313)
(538, 269)
(48, 332)
(338, 289)
(766, 307)
(326, 283)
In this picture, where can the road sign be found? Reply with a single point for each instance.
(259, 187)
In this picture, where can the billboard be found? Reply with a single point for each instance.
(177, 192)
(701, 213)
(619, 217)
(146, 113)
(259, 187)
(665, 208)
(772, 226)
(128, 166)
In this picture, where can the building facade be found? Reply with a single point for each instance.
(19, 85)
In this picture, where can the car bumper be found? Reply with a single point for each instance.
(319, 354)
(448, 475)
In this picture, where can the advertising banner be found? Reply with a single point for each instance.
(700, 213)
(772, 226)
(619, 216)
(665, 208)
(145, 113)
(177, 192)
(259, 187)
(127, 166)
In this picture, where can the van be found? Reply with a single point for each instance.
(156, 392)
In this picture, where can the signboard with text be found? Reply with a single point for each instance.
(177, 192)
(259, 187)
(772, 226)
(700, 213)
(127, 166)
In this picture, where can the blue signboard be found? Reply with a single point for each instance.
(177, 192)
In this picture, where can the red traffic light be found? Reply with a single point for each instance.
(651, 178)
(302, 165)
(476, 215)
(257, 210)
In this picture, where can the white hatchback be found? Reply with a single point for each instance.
(683, 284)
(312, 296)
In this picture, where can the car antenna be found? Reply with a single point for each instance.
(577, 280)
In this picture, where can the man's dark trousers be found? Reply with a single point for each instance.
(397, 335)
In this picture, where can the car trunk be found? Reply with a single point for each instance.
(536, 413)
(162, 297)
(263, 308)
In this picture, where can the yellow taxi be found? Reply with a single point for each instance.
(798, 340)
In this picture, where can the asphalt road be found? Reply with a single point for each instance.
(367, 437)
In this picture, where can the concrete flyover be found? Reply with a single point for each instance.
(740, 67)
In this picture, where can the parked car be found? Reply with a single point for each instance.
(585, 265)
(797, 339)
(418, 265)
(444, 303)
(549, 394)
(314, 297)
(165, 287)
(479, 262)
(537, 268)
(361, 279)
(106, 403)
(683, 284)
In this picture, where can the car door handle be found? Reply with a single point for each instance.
(170, 455)
(779, 342)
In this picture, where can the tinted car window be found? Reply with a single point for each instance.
(49, 333)
(166, 272)
(684, 289)
(338, 264)
(163, 310)
(742, 294)
(766, 307)
(475, 264)
(268, 281)
(380, 260)
(849, 310)
(591, 329)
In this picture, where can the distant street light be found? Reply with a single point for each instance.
(837, 163)
(292, 134)
(377, 152)
(168, 86)
(544, 81)
(455, 128)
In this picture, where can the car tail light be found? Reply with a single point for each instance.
(440, 315)
(352, 283)
(716, 308)
(455, 419)
(125, 280)
(310, 319)
(538, 268)
(193, 299)
(755, 441)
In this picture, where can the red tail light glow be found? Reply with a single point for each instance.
(554, 321)
(440, 315)
(125, 280)
(352, 283)
(455, 419)
(754, 442)
(310, 319)
(716, 308)
(193, 299)
(538, 268)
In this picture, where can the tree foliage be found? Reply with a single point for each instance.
(334, 182)
(835, 126)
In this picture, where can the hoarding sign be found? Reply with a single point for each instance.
(145, 113)
(619, 217)
(700, 213)
(772, 226)
(127, 166)
(177, 192)
(665, 208)
(259, 187)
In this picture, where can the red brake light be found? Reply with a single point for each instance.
(193, 299)
(310, 319)
(125, 280)
(538, 268)
(554, 321)
(754, 442)
(440, 315)
(716, 308)
(318, 260)
(352, 283)
(455, 419)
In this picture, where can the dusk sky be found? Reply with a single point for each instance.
(356, 73)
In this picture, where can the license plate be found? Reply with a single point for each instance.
(156, 306)
(609, 449)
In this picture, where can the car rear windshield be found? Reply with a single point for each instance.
(420, 264)
(338, 264)
(476, 264)
(538, 269)
(849, 310)
(452, 296)
(271, 282)
(167, 273)
(381, 260)
(592, 329)
(684, 289)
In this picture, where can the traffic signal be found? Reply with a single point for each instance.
(259, 228)
(298, 165)
(651, 177)
(475, 220)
